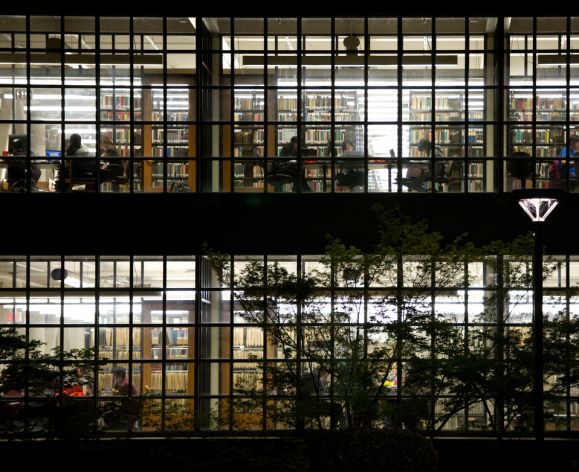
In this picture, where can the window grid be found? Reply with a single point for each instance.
(210, 163)
(204, 372)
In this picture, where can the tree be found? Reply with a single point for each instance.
(41, 393)
(377, 322)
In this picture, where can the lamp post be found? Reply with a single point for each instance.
(538, 205)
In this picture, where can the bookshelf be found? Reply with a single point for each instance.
(249, 132)
(115, 110)
(455, 140)
(318, 111)
(114, 346)
(114, 343)
(179, 344)
(548, 138)
(247, 346)
(147, 346)
(549, 108)
(177, 136)
(317, 117)
(171, 147)
(248, 139)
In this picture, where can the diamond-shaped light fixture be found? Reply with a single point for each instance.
(538, 203)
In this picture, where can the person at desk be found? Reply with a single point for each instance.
(248, 167)
(418, 176)
(112, 168)
(77, 149)
(350, 174)
(125, 412)
(288, 169)
(290, 149)
(17, 172)
(425, 145)
(81, 169)
(561, 167)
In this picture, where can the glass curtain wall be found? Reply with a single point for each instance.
(195, 352)
(318, 105)
(541, 102)
(97, 104)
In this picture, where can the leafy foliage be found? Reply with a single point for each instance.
(373, 319)
(41, 392)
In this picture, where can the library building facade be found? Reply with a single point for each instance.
(168, 179)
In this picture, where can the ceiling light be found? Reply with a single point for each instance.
(557, 59)
(78, 59)
(448, 60)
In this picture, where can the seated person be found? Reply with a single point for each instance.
(350, 174)
(561, 167)
(283, 172)
(419, 176)
(520, 167)
(126, 411)
(18, 171)
(113, 169)
(80, 169)
(290, 149)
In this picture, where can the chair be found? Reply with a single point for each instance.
(77, 173)
(418, 178)
(520, 167)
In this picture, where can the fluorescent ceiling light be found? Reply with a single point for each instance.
(557, 59)
(72, 282)
(351, 60)
(78, 59)
(150, 41)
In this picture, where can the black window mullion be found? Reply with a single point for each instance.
(265, 318)
(231, 341)
(199, 281)
(131, 322)
(95, 383)
(61, 328)
(466, 109)
(164, 346)
(98, 101)
(333, 366)
(567, 258)
(300, 132)
(500, 58)
(432, 157)
(534, 111)
(132, 111)
(366, 73)
(399, 319)
(499, 348)
(568, 102)
(199, 93)
(28, 100)
(433, 352)
(264, 341)
(569, 292)
(28, 339)
(399, 55)
(333, 147)
(165, 118)
(231, 150)
(67, 165)
(466, 323)
(131, 266)
(28, 258)
(266, 97)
